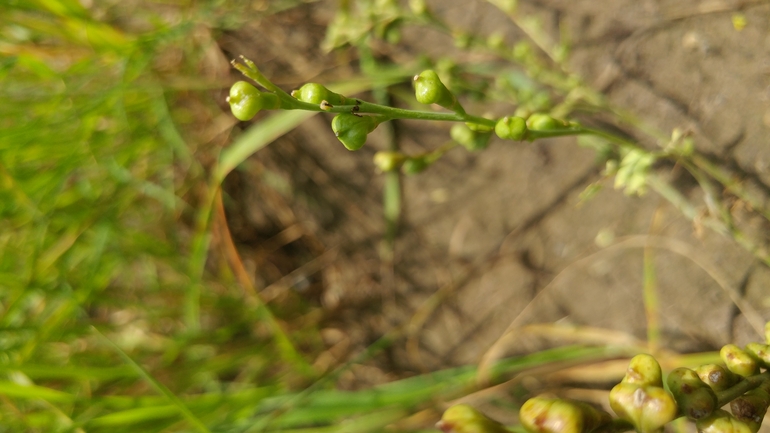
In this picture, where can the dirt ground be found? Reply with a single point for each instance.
(500, 237)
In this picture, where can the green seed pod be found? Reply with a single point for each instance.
(738, 361)
(471, 140)
(694, 398)
(314, 93)
(543, 122)
(351, 130)
(760, 353)
(428, 89)
(648, 408)
(643, 370)
(511, 128)
(716, 377)
(246, 100)
(388, 161)
(462, 418)
(553, 415)
(722, 422)
(751, 408)
(414, 165)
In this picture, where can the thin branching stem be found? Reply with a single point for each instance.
(742, 387)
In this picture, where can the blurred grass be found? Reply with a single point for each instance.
(107, 192)
(100, 177)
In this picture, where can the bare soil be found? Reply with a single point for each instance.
(500, 237)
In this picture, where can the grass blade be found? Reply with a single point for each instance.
(173, 399)
(10, 389)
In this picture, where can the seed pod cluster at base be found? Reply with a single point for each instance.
(738, 361)
(722, 422)
(694, 398)
(246, 100)
(553, 415)
(462, 418)
(351, 130)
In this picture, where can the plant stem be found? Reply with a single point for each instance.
(742, 387)
(401, 113)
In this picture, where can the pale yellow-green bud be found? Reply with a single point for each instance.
(722, 422)
(643, 370)
(462, 418)
(738, 361)
(648, 408)
(716, 376)
(553, 415)
(760, 352)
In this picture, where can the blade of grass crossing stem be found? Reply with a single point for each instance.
(256, 138)
(172, 398)
(328, 407)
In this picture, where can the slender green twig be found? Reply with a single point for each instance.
(742, 387)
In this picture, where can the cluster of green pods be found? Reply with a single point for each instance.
(642, 402)
(352, 128)
(246, 100)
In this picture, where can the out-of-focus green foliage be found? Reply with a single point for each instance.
(98, 183)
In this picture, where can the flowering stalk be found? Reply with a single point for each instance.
(428, 90)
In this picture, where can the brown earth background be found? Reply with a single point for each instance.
(493, 242)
